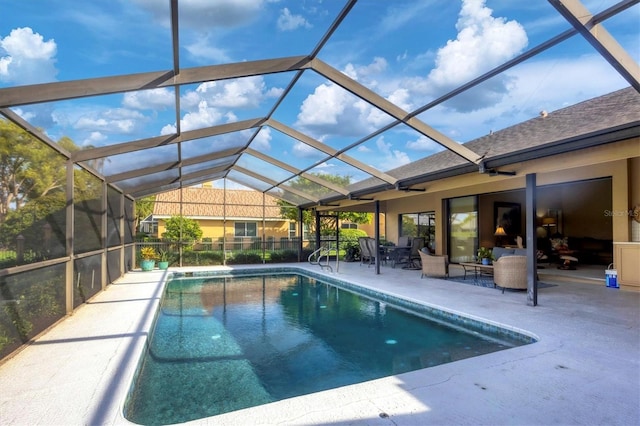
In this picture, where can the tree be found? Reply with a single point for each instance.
(288, 211)
(32, 191)
(144, 207)
(180, 228)
(29, 169)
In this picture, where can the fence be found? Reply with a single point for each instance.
(243, 250)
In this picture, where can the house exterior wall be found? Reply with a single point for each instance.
(370, 228)
(620, 161)
(215, 228)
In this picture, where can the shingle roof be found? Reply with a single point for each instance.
(209, 203)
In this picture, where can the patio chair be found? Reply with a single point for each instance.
(434, 266)
(375, 251)
(366, 254)
(510, 272)
(409, 256)
(417, 244)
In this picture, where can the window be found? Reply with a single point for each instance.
(419, 225)
(349, 226)
(292, 229)
(246, 229)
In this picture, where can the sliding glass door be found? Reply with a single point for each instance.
(463, 228)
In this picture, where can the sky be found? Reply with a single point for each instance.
(408, 51)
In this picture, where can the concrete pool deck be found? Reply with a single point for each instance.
(585, 368)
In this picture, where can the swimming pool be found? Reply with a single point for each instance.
(226, 342)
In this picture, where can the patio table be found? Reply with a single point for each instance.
(478, 271)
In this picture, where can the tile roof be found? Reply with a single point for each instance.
(209, 203)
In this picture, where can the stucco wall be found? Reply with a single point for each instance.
(592, 214)
(216, 229)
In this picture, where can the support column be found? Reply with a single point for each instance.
(69, 236)
(376, 221)
(104, 258)
(264, 228)
(532, 242)
(121, 224)
(318, 236)
(300, 233)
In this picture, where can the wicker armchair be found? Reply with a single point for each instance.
(510, 272)
(434, 266)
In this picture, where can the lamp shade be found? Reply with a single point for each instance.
(548, 221)
(500, 231)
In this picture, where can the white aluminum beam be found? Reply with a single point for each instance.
(393, 110)
(330, 151)
(49, 92)
(174, 165)
(274, 184)
(296, 171)
(595, 33)
(122, 148)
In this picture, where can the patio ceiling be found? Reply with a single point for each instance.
(273, 143)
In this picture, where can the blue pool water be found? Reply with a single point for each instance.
(223, 343)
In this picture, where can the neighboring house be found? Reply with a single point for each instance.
(235, 215)
(243, 213)
(149, 226)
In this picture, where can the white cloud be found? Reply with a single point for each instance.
(168, 129)
(26, 115)
(205, 116)
(202, 49)
(198, 18)
(246, 92)
(114, 121)
(422, 143)
(28, 58)
(241, 93)
(389, 158)
(289, 22)
(212, 102)
(331, 110)
(302, 150)
(149, 99)
(535, 85)
(262, 141)
(361, 72)
(205, 14)
(94, 139)
(483, 42)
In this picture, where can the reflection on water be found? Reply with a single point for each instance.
(222, 344)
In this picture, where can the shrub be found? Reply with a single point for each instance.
(196, 258)
(244, 258)
(282, 256)
(351, 234)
